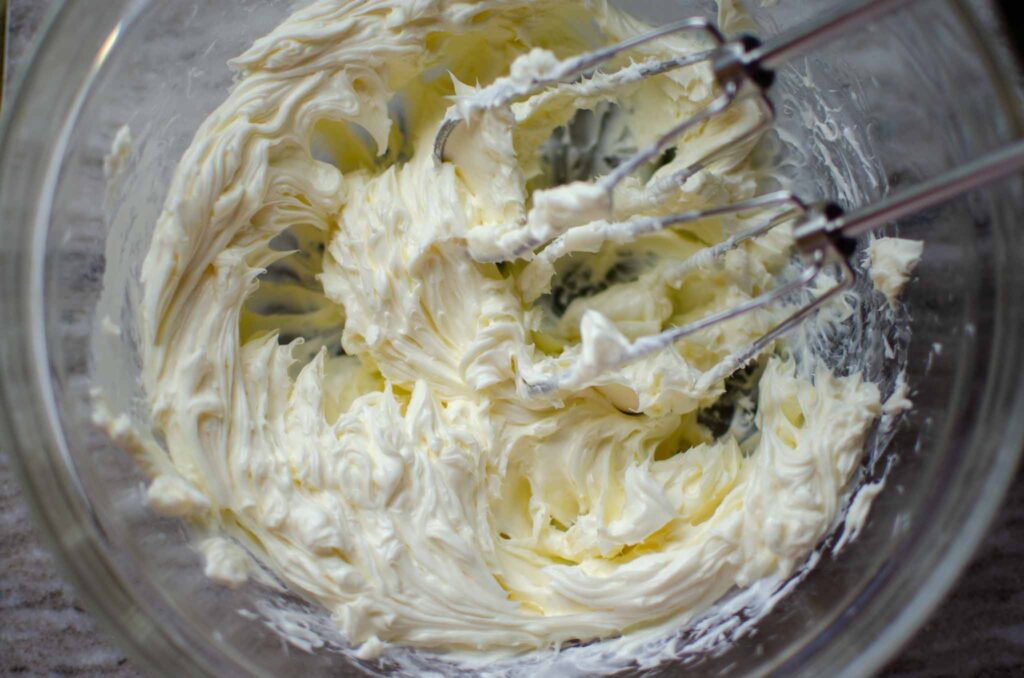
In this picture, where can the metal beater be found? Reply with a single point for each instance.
(744, 68)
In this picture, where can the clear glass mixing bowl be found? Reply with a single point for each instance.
(903, 100)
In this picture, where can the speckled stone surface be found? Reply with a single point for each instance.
(43, 629)
(977, 631)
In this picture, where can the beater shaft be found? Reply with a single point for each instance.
(813, 33)
(931, 193)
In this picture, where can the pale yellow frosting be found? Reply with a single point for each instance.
(890, 263)
(411, 485)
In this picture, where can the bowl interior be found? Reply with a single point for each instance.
(860, 118)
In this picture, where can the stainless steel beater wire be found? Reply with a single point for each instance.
(981, 172)
(659, 67)
(828, 26)
(679, 177)
(807, 310)
(590, 60)
(645, 346)
(719, 104)
(776, 198)
(638, 226)
(650, 344)
(598, 56)
(775, 52)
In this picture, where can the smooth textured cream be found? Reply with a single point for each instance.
(411, 484)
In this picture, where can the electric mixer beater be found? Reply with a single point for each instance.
(744, 70)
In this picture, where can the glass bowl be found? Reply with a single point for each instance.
(914, 95)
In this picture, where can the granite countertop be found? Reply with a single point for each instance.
(978, 630)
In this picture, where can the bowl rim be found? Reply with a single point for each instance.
(39, 111)
(57, 503)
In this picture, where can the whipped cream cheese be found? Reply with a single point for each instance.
(890, 263)
(339, 373)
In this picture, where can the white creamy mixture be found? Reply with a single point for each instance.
(890, 261)
(394, 468)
